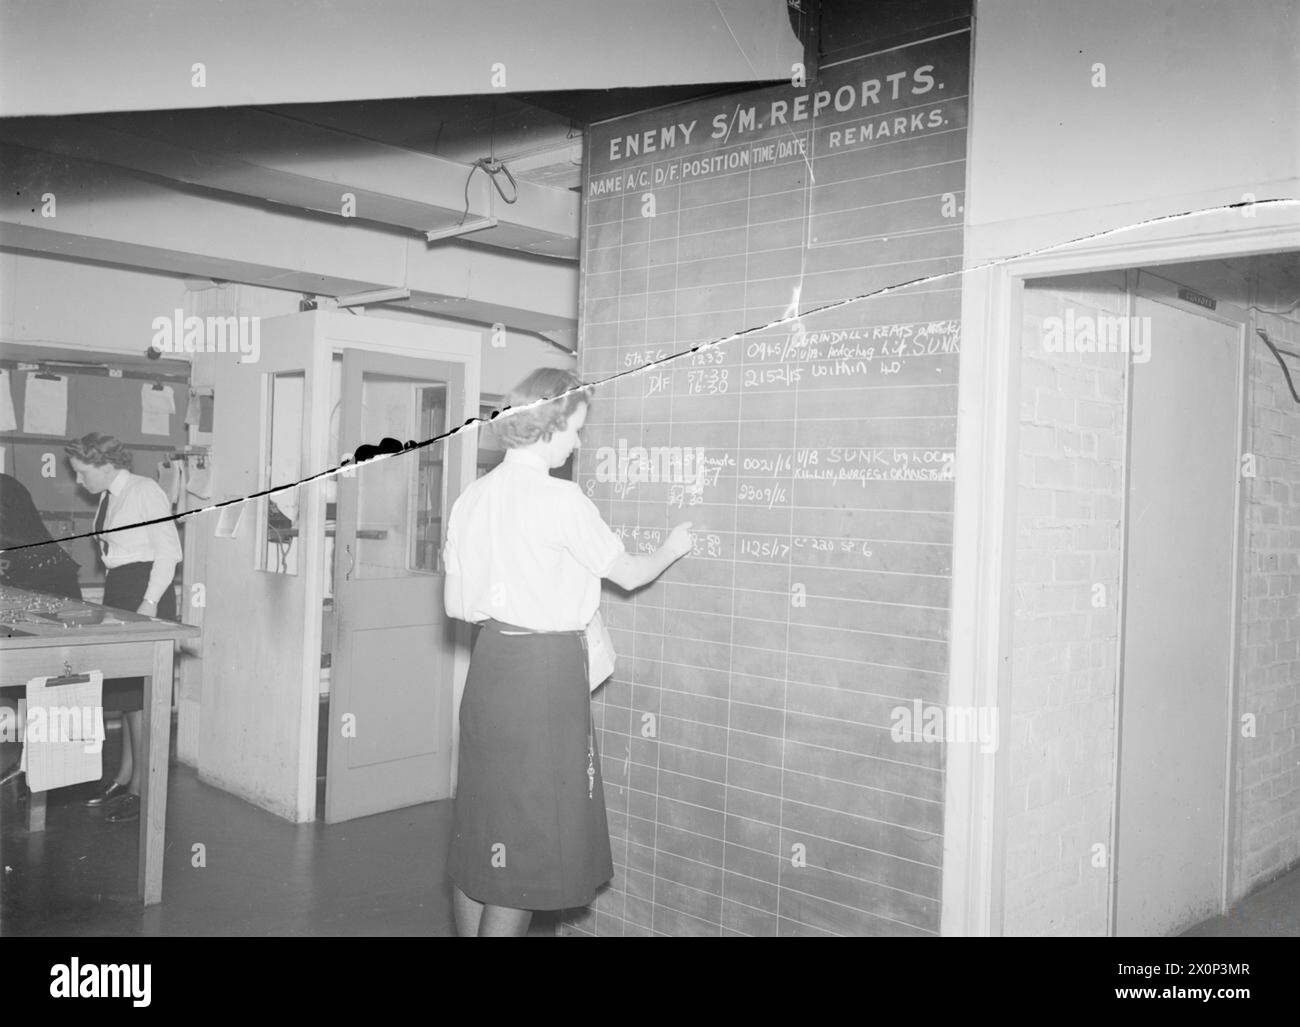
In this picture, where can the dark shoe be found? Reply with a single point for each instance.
(113, 791)
(123, 809)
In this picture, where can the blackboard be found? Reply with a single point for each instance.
(753, 783)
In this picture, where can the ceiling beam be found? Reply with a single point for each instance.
(108, 215)
(268, 157)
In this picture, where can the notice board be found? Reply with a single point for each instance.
(755, 776)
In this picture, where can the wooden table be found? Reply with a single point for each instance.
(127, 645)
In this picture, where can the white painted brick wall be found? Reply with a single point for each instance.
(1064, 649)
(1071, 450)
(1267, 830)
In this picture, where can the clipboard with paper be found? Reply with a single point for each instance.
(63, 730)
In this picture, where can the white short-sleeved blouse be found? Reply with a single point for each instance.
(527, 548)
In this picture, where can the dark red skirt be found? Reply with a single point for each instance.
(526, 832)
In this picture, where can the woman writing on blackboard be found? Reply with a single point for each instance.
(524, 557)
(141, 563)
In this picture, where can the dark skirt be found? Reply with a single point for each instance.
(526, 832)
(124, 589)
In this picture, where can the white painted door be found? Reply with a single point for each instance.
(1178, 622)
(261, 641)
(391, 694)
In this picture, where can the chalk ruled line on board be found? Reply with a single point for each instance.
(683, 747)
(686, 264)
(912, 293)
(682, 208)
(779, 887)
(793, 652)
(716, 254)
(827, 509)
(799, 683)
(651, 239)
(735, 524)
(767, 884)
(699, 614)
(699, 721)
(705, 697)
(802, 834)
(692, 208)
(717, 868)
(783, 739)
(769, 677)
(782, 564)
(614, 760)
(628, 840)
(710, 311)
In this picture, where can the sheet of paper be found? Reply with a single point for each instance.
(169, 479)
(8, 421)
(63, 733)
(156, 409)
(230, 520)
(45, 405)
(199, 482)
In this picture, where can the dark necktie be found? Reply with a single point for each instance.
(100, 518)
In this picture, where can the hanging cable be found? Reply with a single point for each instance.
(491, 168)
(1284, 310)
(1277, 352)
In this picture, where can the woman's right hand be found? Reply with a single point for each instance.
(680, 541)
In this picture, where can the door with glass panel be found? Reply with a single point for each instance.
(391, 691)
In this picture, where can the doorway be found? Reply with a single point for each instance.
(1182, 516)
(392, 651)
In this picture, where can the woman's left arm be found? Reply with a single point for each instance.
(165, 543)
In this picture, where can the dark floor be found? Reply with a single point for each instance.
(1271, 912)
(380, 875)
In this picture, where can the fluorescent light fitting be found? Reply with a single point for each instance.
(362, 299)
(478, 224)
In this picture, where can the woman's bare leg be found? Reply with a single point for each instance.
(126, 761)
(504, 922)
(467, 912)
(132, 743)
(476, 919)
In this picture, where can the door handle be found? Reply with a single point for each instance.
(352, 562)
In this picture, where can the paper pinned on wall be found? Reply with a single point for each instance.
(171, 477)
(63, 737)
(45, 405)
(156, 409)
(8, 420)
(230, 520)
(199, 482)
